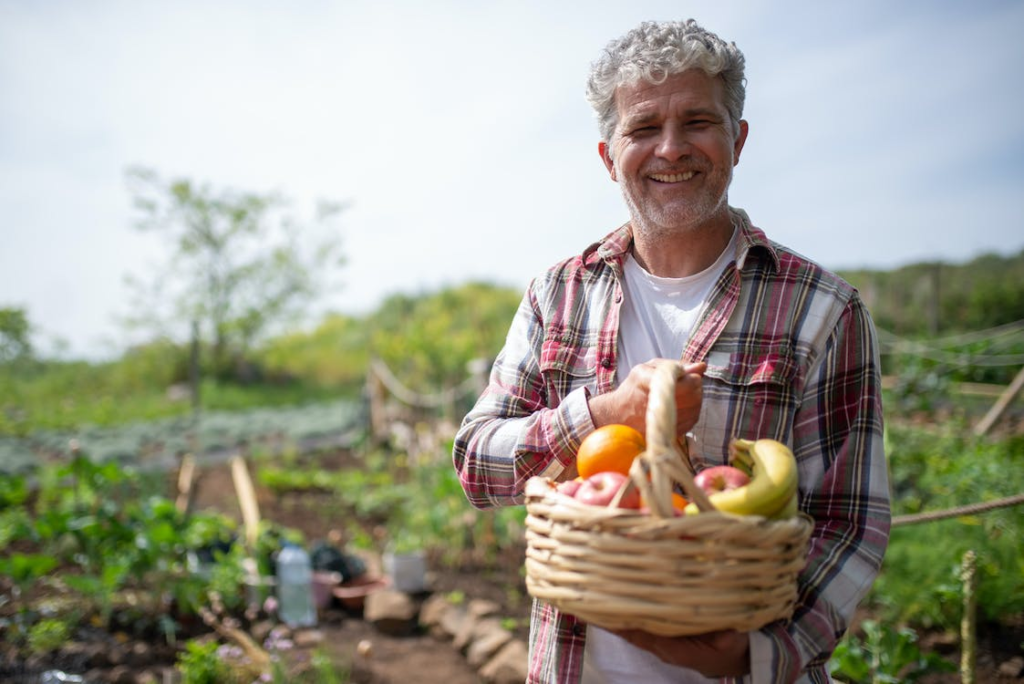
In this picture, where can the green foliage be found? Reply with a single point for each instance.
(47, 635)
(885, 655)
(428, 341)
(422, 506)
(109, 533)
(919, 582)
(199, 663)
(15, 334)
(335, 354)
(983, 293)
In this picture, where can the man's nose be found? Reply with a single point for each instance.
(673, 144)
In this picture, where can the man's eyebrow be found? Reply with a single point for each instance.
(646, 117)
(641, 118)
(705, 112)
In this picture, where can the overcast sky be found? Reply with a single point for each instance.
(881, 133)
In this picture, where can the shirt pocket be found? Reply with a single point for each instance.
(566, 367)
(751, 393)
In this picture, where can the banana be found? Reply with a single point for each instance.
(789, 510)
(773, 480)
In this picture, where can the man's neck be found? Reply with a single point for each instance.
(686, 252)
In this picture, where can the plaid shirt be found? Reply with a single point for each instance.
(791, 355)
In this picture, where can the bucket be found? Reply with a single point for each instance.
(408, 570)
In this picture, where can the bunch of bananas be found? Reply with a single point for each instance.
(772, 490)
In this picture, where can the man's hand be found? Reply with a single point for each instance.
(627, 403)
(715, 654)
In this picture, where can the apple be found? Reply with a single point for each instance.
(569, 487)
(721, 479)
(600, 489)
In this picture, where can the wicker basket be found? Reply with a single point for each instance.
(665, 574)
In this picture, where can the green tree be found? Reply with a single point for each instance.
(15, 332)
(428, 340)
(240, 265)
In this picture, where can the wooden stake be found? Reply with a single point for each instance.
(968, 624)
(186, 478)
(246, 499)
(997, 410)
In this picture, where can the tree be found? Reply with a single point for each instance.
(240, 265)
(15, 332)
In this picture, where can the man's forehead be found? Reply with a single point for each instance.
(687, 91)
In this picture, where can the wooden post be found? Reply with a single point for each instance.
(375, 395)
(1002, 403)
(968, 625)
(186, 479)
(246, 499)
(934, 304)
(193, 368)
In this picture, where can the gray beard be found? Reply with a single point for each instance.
(664, 225)
(654, 223)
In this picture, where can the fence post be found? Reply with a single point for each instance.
(968, 624)
(997, 410)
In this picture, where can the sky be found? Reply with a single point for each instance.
(458, 135)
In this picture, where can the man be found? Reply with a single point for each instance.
(775, 346)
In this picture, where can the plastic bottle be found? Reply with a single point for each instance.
(295, 587)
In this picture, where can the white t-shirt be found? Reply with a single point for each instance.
(655, 321)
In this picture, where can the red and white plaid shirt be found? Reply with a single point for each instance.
(791, 355)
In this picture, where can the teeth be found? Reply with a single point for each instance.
(674, 177)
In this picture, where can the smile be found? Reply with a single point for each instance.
(673, 177)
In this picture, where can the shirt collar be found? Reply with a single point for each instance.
(614, 247)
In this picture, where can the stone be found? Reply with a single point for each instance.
(1012, 668)
(434, 606)
(486, 644)
(481, 608)
(120, 674)
(508, 666)
(471, 629)
(391, 612)
(452, 621)
(307, 638)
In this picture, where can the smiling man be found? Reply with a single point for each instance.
(774, 347)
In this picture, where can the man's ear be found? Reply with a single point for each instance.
(606, 157)
(741, 139)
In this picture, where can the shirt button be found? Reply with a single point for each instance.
(579, 629)
(606, 363)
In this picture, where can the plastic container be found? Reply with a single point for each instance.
(407, 570)
(295, 587)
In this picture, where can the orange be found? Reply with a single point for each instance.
(678, 501)
(609, 447)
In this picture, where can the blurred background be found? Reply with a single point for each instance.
(293, 236)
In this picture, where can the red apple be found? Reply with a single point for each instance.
(600, 489)
(720, 479)
(569, 487)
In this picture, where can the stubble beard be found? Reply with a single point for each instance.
(655, 221)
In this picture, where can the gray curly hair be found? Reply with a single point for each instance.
(653, 51)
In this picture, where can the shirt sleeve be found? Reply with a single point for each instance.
(839, 423)
(517, 430)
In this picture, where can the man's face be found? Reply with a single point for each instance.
(673, 151)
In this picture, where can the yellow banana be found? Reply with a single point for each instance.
(790, 510)
(773, 480)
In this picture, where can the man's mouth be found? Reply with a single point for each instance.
(672, 177)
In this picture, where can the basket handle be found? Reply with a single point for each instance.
(665, 460)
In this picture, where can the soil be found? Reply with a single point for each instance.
(420, 657)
